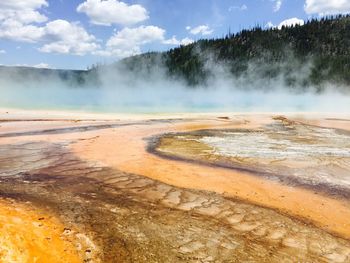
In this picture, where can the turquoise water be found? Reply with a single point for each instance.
(164, 99)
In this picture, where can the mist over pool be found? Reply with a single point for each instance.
(161, 95)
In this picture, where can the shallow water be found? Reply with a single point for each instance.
(279, 145)
(284, 150)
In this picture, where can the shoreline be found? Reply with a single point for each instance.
(58, 114)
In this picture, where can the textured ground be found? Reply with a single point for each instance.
(17, 242)
(111, 215)
(285, 150)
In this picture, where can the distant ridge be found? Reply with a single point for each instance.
(311, 55)
(321, 47)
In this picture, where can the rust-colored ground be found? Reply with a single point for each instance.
(105, 198)
(126, 149)
(30, 235)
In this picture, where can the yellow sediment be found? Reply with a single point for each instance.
(29, 235)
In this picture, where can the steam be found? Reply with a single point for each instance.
(115, 89)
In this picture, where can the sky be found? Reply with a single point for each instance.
(75, 34)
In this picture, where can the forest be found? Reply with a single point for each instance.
(315, 53)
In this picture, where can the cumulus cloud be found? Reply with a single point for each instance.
(58, 36)
(139, 35)
(327, 7)
(2, 51)
(67, 38)
(25, 16)
(21, 20)
(287, 23)
(108, 12)
(128, 41)
(23, 4)
(204, 30)
(16, 18)
(14, 30)
(291, 22)
(174, 41)
(22, 11)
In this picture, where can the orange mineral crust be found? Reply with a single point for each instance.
(153, 189)
(125, 148)
(30, 235)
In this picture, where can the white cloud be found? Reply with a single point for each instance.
(17, 16)
(67, 38)
(58, 36)
(277, 5)
(22, 11)
(22, 16)
(14, 30)
(24, 22)
(269, 25)
(20, 20)
(326, 7)
(287, 23)
(138, 35)
(41, 65)
(291, 22)
(2, 51)
(241, 8)
(23, 4)
(174, 41)
(244, 7)
(128, 41)
(108, 12)
(203, 30)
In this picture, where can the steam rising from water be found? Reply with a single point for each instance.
(129, 92)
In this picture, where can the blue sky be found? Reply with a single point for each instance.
(78, 33)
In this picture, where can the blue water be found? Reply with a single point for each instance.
(166, 99)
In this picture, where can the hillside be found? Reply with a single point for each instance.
(299, 57)
(313, 54)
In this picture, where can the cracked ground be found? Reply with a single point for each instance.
(110, 215)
